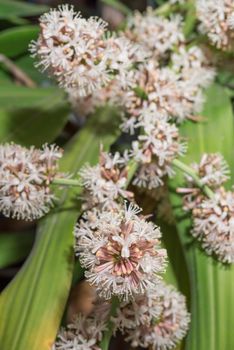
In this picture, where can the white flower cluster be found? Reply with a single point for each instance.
(122, 257)
(129, 71)
(105, 182)
(213, 224)
(76, 52)
(120, 250)
(195, 71)
(156, 147)
(217, 21)
(213, 171)
(156, 35)
(157, 320)
(83, 334)
(213, 219)
(25, 176)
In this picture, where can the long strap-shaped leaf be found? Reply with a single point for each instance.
(212, 284)
(33, 304)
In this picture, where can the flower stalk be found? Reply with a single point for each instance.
(189, 171)
(66, 182)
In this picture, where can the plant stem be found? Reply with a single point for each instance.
(188, 170)
(104, 344)
(17, 72)
(66, 182)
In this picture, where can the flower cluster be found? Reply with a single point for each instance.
(129, 70)
(157, 145)
(85, 332)
(156, 35)
(120, 250)
(213, 224)
(213, 218)
(213, 172)
(25, 176)
(157, 320)
(77, 53)
(217, 21)
(105, 182)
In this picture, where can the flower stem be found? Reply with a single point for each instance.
(104, 344)
(188, 170)
(66, 182)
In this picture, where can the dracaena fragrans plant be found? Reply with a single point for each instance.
(156, 78)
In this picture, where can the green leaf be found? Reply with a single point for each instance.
(4, 79)
(211, 283)
(31, 116)
(38, 294)
(191, 19)
(15, 41)
(12, 9)
(14, 247)
(118, 5)
(26, 63)
(176, 272)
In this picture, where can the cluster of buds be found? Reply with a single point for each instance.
(105, 183)
(217, 21)
(26, 175)
(213, 218)
(157, 320)
(78, 54)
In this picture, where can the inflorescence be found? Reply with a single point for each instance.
(26, 175)
(217, 21)
(157, 81)
(213, 218)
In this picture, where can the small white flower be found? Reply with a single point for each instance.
(157, 146)
(213, 171)
(71, 49)
(213, 224)
(83, 334)
(193, 67)
(25, 176)
(106, 182)
(216, 17)
(75, 51)
(172, 94)
(120, 251)
(157, 320)
(156, 35)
